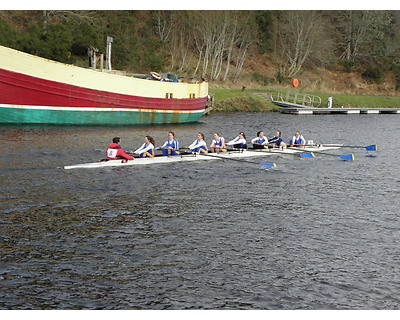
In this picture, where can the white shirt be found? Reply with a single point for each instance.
(173, 142)
(143, 148)
(214, 142)
(237, 140)
(197, 144)
(264, 138)
(303, 141)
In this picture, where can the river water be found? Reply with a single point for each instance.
(315, 233)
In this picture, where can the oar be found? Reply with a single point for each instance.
(266, 150)
(268, 165)
(372, 147)
(169, 151)
(304, 154)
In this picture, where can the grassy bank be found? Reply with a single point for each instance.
(350, 101)
(238, 100)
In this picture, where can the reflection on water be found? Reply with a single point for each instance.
(311, 234)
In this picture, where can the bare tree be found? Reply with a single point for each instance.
(244, 41)
(222, 40)
(299, 38)
(359, 31)
(164, 24)
(217, 40)
(76, 16)
(174, 29)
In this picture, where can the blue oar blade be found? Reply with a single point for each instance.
(268, 165)
(347, 157)
(307, 155)
(373, 147)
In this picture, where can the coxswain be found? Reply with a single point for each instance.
(239, 142)
(297, 140)
(277, 141)
(171, 146)
(115, 152)
(199, 145)
(260, 141)
(218, 144)
(147, 148)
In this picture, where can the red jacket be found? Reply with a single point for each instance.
(115, 152)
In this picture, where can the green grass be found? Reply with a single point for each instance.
(238, 100)
(350, 101)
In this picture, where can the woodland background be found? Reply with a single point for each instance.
(343, 50)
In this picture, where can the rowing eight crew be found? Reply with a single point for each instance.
(171, 146)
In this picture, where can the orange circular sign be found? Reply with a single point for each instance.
(295, 83)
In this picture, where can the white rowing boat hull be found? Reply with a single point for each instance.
(190, 157)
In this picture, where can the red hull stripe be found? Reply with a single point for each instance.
(20, 89)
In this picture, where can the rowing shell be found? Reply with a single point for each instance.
(194, 157)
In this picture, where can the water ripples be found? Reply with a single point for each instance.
(311, 234)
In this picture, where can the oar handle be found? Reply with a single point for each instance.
(166, 148)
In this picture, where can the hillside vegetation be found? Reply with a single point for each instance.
(330, 52)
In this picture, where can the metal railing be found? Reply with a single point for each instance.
(303, 99)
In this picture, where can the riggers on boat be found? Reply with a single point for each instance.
(35, 90)
(232, 154)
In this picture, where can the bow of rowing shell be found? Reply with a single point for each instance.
(38, 90)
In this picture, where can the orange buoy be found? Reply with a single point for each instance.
(295, 83)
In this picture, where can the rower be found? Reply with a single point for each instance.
(260, 141)
(277, 141)
(147, 148)
(297, 140)
(218, 144)
(199, 145)
(239, 142)
(171, 146)
(115, 152)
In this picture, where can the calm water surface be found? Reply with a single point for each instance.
(315, 233)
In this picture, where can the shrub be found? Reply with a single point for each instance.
(348, 65)
(280, 77)
(373, 74)
(396, 71)
(259, 78)
(8, 36)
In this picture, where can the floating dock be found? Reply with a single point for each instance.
(305, 110)
(302, 103)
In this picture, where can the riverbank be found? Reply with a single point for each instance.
(246, 100)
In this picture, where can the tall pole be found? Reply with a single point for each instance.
(108, 53)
